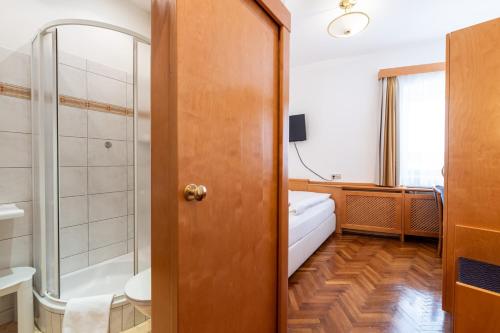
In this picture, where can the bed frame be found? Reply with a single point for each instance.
(299, 252)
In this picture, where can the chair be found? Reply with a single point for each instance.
(439, 197)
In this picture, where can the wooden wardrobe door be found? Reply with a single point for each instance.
(472, 178)
(218, 120)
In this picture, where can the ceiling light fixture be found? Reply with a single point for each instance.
(349, 23)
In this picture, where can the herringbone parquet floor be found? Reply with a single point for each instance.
(356, 283)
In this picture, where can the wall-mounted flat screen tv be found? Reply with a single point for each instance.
(297, 128)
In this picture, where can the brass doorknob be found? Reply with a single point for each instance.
(195, 192)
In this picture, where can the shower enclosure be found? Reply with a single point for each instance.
(91, 160)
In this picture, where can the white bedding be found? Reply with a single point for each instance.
(301, 201)
(301, 225)
(311, 221)
(299, 252)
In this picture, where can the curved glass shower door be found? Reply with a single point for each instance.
(44, 120)
(91, 158)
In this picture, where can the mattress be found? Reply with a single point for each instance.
(301, 225)
(304, 248)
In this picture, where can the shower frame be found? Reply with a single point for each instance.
(44, 105)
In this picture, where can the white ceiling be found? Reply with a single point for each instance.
(393, 23)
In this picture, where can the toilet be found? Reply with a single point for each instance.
(138, 291)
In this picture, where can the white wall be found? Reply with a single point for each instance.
(340, 98)
(20, 20)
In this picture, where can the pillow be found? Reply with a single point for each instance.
(300, 201)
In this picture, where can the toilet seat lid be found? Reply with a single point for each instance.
(138, 288)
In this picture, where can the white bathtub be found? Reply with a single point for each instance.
(103, 278)
(108, 277)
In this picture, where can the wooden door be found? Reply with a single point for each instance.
(472, 178)
(219, 115)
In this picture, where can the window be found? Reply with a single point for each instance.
(421, 123)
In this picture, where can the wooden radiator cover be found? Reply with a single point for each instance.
(370, 208)
(421, 215)
(373, 211)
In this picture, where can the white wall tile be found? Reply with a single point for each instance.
(56, 323)
(105, 125)
(106, 90)
(130, 128)
(107, 252)
(72, 82)
(108, 205)
(99, 155)
(130, 177)
(107, 179)
(128, 317)
(73, 211)
(72, 181)
(73, 240)
(130, 96)
(44, 321)
(72, 121)
(139, 317)
(107, 232)
(15, 67)
(130, 226)
(72, 151)
(130, 202)
(7, 302)
(115, 320)
(130, 245)
(15, 149)
(103, 70)
(15, 185)
(16, 252)
(74, 263)
(15, 114)
(7, 316)
(71, 60)
(130, 78)
(20, 226)
(130, 153)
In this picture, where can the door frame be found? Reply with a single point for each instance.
(165, 187)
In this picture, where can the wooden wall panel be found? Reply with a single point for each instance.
(476, 310)
(477, 244)
(284, 55)
(472, 167)
(164, 165)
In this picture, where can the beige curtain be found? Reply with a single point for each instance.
(388, 135)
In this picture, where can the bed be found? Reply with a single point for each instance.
(311, 222)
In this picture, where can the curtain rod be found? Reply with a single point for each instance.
(409, 70)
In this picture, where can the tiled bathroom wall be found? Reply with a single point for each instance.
(96, 183)
(96, 179)
(15, 169)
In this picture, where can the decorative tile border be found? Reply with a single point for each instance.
(12, 90)
(93, 105)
